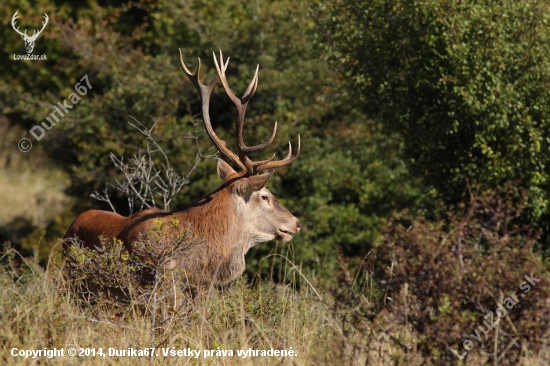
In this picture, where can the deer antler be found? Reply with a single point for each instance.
(204, 92)
(35, 34)
(15, 16)
(241, 104)
(241, 159)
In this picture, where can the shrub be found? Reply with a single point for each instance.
(464, 83)
(150, 278)
(451, 280)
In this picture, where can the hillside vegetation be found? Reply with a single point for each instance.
(422, 186)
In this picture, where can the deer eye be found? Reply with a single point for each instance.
(265, 198)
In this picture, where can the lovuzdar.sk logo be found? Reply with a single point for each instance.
(29, 40)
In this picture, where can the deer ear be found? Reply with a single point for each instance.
(224, 169)
(252, 184)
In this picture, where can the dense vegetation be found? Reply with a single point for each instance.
(130, 53)
(425, 152)
(464, 84)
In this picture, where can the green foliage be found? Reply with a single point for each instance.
(347, 179)
(343, 187)
(459, 89)
(133, 66)
(465, 84)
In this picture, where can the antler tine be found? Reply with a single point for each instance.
(205, 91)
(194, 78)
(223, 79)
(253, 165)
(251, 89)
(258, 163)
(241, 104)
(280, 163)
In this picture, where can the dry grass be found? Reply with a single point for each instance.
(38, 310)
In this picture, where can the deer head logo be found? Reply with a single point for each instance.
(29, 40)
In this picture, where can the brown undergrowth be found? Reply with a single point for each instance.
(422, 298)
(41, 309)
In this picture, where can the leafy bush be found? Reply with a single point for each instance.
(451, 279)
(465, 84)
(151, 276)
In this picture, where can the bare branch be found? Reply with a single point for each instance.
(145, 180)
(104, 197)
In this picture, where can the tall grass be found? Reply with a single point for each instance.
(39, 310)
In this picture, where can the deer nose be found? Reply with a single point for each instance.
(298, 226)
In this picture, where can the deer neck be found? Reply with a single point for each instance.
(222, 220)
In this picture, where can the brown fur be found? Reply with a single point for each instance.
(219, 216)
(235, 217)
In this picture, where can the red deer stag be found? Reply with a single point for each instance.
(238, 215)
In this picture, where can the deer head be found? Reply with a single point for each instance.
(29, 40)
(266, 218)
